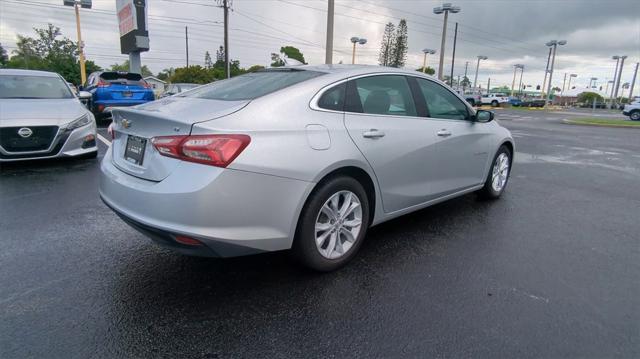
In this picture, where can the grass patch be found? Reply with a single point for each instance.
(603, 122)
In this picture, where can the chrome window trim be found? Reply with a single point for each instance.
(313, 104)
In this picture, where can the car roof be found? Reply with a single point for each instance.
(351, 70)
(18, 72)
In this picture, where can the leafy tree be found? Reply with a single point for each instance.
(289, 52)
(255, 68)
(208, 63)
(3, 56)
(588, 97)
(49, 51)
(125, 67)
(220, 54)
(465, 82)
(277, 61)
(399, 53)
(193, 74)
(165, 74)
(429, 70)
(387, 45)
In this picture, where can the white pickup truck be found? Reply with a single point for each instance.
(495, 99)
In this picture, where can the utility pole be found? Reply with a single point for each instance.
(83, 69)
(513, 83)
(635, 73)
(186, 42)
(615, 76)
(563, 83)
(520, 86)
(225, 3)
(489, 85)
(328, 58)
(475, 80)
(453, 58)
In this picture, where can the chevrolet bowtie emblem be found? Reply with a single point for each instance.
(126, 123)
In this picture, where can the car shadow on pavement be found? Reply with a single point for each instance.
(162, 292)
(45, 166)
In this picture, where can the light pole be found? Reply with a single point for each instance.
(328, 56)
(85, 4)
(356, 40)
(446, 8)
(513, 83)
(555, 44)
(633, 81)
(607, 88)
(424, 61)
(615, 75)
(616, 85)
(475, 80)
(570, 76)
(521, 72)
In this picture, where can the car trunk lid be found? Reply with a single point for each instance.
(133, 130)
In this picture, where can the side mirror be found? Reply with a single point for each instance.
(484, 116)
(84, 95)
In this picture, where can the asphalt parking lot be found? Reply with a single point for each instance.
(550, 270)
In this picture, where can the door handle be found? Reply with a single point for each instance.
(444, 133)
(373, 133)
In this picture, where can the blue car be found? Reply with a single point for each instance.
(117, 89)
(514, 101)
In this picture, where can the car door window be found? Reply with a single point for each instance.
(381, 95)
(442, 103)
(333, 99)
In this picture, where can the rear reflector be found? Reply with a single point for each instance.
(213, 150)
(188, 241)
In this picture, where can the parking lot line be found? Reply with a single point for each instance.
(104, 140)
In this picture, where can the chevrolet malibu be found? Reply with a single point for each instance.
(304, 158)
(40, 117)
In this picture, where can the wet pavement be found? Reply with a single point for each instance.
(550, 270)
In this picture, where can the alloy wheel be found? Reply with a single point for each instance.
(338, 224)
(500, 172)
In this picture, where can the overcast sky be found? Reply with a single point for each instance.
(507, 31)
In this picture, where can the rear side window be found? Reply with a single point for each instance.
(382, 95)
(252, 85)
(333, 99)
(122, 78)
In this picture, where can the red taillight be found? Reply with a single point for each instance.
(103, 84)
(146, 85)
(214, 150)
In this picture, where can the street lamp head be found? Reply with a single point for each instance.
(481, 57)
(562, 42)
(552, 42)
(438, 10)
(429, 51)
(446, 7)
(573, 75)
(594, 78)
(362, 41)
(615, 57)
(355, 39)
(519, 66)
(623, 57)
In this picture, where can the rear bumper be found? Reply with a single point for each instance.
(231, 212)
(66, 144)
(100, 105)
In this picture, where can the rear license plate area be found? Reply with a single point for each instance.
(127, 93)
(134, 151)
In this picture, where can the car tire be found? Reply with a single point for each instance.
(326, 256)
(635, 115)
(494, 103)
(493, 190)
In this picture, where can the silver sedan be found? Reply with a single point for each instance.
(40, 117)
(305, 158)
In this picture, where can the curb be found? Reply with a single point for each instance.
(571, 122)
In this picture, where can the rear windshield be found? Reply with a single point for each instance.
(122, 78)
(252, 85)
(33, 87)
